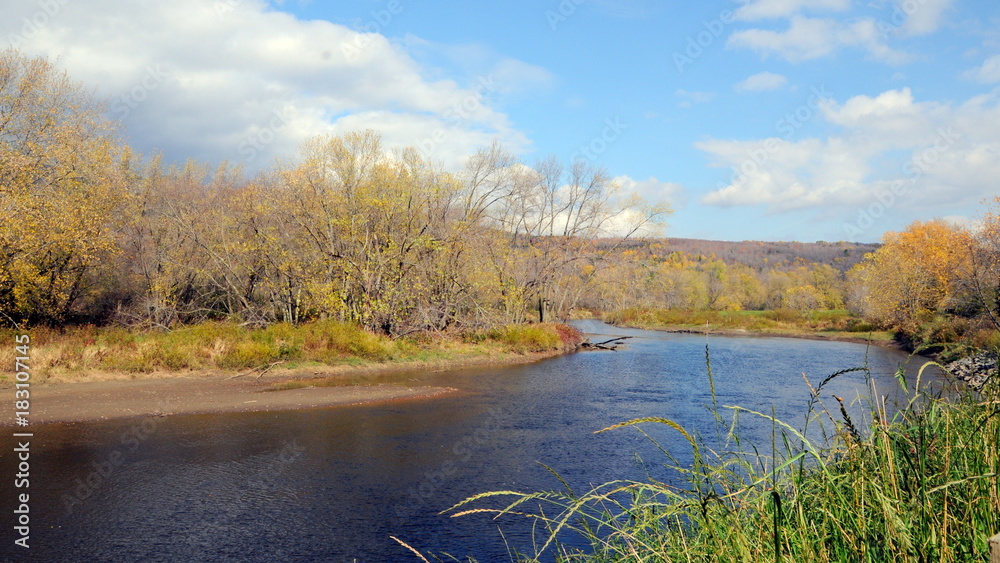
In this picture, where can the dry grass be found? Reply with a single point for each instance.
(110, 353)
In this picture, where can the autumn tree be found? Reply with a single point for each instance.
(380, 226)
(62, 177)
(981, 277)
(915, 274)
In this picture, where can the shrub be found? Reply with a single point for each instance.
(568, 334)
(329, 341)
(244, 355)
(528, 338)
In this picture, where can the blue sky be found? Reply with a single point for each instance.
(760, 119)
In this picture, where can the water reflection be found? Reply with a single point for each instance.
(334, 484)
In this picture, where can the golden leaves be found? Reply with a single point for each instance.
(915, 273)
(61, 185)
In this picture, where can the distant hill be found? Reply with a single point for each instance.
(761, 254)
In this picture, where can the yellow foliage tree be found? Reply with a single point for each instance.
(62, 178)
(982, 280)
(915, 274)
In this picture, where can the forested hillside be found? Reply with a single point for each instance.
(766, 254)
(675, 273)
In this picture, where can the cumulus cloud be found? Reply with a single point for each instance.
(922, 17)
(925, 153)
(812, 38)
(988, 72)
(514, 77)
(654, 191)
(762, 9)
(761, 82)
(689, 98)
(237, 80)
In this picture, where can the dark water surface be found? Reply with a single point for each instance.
(334, 484)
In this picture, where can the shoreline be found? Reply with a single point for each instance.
(120, 396)
(102, 396)
(100, 401)
(805, 335)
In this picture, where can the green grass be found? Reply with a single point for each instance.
(921, 486)
(527, 338)
(229, 347)
(831, 324)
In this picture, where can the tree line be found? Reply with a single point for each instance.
(692, 274)
(658, 276)
(347, 229)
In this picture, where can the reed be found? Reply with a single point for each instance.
(914, 484)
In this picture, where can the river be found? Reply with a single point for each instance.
(335, 484)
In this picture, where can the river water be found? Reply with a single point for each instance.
(335, 484)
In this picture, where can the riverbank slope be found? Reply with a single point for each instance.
(91, 374)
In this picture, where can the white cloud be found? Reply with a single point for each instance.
(689, 98)
(921, 17)
(761, 82)
(961, 221)
(988, 73)
(808, 38)
(785, 175)
(235, 78)
(813, 38)
(805, 39)
(892, 117)
(654, 191)
(626, 9)
(761, 9)
(514, 76)
(927, 153)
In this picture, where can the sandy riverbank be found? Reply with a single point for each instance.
(105, 400)
(111, 396)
